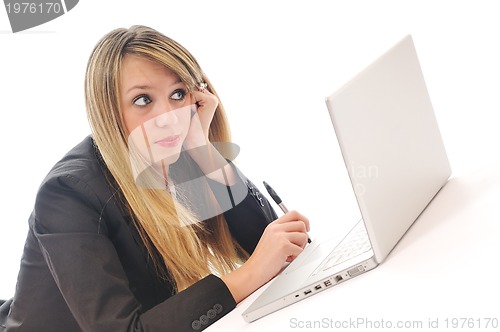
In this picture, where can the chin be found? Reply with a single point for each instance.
(169, 159)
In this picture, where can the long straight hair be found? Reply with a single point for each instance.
(182, 248)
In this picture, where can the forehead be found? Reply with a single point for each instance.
(134, 68)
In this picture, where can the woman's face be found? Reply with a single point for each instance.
(156, 109)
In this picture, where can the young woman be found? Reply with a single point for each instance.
(147, 225)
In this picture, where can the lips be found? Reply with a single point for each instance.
(169, 141)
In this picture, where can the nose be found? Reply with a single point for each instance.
(166, 117)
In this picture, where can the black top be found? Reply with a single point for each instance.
(84, 267)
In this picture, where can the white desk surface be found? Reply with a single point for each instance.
(443, 273)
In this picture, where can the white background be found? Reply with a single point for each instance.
(272, 63)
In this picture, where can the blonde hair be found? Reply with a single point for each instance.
(183, 254)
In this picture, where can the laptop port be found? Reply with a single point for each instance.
(338, 278)
(317, 287)
(307, 292)
(357, 270)
(328, 283)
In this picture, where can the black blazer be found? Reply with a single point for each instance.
(84, 267)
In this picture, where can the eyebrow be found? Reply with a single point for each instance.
(141, 87)
(145, 87)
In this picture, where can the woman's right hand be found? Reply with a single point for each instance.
(282, 241)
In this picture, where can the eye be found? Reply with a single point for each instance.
(178, 94)
(142, 100)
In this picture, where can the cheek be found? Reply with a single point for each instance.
(138, 131)
(133, 121)
(185, 119)
(138, 146)
(130, 122)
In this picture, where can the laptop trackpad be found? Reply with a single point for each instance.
(314, 255)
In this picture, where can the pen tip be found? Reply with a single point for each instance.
(271, 192)
(268, 188)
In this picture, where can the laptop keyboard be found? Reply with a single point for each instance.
(354, 244)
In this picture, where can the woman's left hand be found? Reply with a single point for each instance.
(204, 108)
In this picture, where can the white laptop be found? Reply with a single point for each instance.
(397, 163)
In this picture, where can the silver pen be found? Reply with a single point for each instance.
(278, 201)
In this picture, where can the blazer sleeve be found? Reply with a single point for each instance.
(82, 259)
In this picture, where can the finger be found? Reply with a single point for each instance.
(202, 95)
(292, 227)
(298, 239)
(305, 220)
(293, 252)
(293, 216)
(205, 101)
